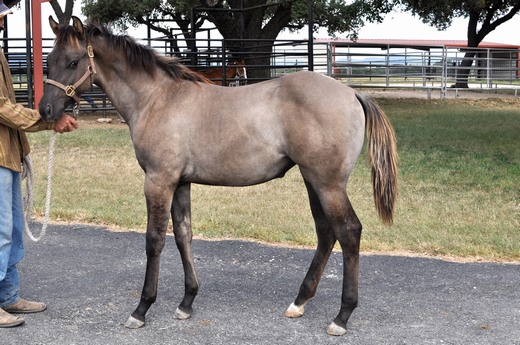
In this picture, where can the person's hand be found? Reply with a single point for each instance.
(65, 123)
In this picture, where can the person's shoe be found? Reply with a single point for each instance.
(7, 320)
(25, 307)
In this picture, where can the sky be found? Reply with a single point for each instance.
(394, 26)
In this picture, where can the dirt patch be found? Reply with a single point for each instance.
(100, 120)
(436, 94)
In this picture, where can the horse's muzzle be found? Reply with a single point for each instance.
(48, 111)
(45, 111)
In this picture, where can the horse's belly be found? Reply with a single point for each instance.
(239, 172)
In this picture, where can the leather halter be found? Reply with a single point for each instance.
(70, 90)
(242, 75)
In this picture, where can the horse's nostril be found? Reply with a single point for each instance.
(48, 111)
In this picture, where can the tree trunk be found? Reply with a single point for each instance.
(474, 40)
(63, 15)
(247, 25)
(258, 60)
(464, 70)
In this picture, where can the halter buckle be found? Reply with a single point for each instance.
(90, 51)
(70, 90)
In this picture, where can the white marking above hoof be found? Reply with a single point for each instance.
(294, 311)
(180, 315)
(133, 323)
(336, 330)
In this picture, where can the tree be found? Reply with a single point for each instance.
(158, 15)
(488, 13)
(262, 20)
(63, 15)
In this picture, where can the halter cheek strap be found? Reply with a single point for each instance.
(70, 90)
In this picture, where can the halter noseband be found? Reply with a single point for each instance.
(242, 75)
(70, 90)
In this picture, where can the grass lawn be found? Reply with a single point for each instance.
(459, 185)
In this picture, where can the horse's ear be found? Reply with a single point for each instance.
(54, 25)
(78, 26)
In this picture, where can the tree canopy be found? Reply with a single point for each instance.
(483, 16)
(263, 17)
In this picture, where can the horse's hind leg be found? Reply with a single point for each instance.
(181, 215)
(335, 220)
(158, 204)
(347, 230)
(326, 241)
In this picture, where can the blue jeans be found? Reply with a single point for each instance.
(11, 234)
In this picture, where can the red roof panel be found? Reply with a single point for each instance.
(411, 43)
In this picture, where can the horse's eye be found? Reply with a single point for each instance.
(72, 65)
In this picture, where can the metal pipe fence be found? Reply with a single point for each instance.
(433, 68)
(429, 68)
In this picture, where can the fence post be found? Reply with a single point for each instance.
(224, 62)
(37, 50)
(329, 59)
(387, 67)
(488, 69)
(28, 47)
(310, 47)
(444, 73)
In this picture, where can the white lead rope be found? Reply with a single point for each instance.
(29, 197)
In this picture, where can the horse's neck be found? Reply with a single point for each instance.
(128, 92)
(231, 72)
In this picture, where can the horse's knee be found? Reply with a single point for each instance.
(154, 244)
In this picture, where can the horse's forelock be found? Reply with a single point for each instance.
(66, 35)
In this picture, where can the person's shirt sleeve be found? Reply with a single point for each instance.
(17, 116)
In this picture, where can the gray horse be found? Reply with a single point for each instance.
(186, 131)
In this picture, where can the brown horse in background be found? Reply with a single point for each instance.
(186, 131)
(235, 69)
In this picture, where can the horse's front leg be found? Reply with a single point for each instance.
(158, 205)
(181, 215)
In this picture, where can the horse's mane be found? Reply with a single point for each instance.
(137, 55)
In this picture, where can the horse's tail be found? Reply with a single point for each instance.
(382, 148)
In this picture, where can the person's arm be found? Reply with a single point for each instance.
(29, 120)
(17, 116)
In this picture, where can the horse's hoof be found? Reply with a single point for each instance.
(294, 311)
(180, 315)
(133, 323)
(336, 330)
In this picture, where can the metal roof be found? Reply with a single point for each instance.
(409, 43)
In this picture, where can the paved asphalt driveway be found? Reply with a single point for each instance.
(91, 278)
